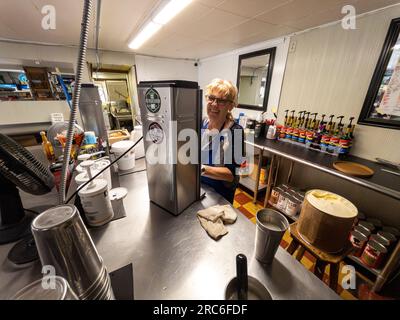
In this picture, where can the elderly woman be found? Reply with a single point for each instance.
(222, 139)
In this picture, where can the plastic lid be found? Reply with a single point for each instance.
(101, 164)
(54, 216)
(377, 246)
(83, 177)
(84, 157)
(118, 193)
(122, 146)
(359, 235)
(98, 186)
(35, 291)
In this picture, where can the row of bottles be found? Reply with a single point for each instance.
(331, 136)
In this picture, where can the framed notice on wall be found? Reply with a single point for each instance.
(382, 103)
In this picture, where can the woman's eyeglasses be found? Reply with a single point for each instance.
(220, 102)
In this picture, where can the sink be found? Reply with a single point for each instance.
(256, 290)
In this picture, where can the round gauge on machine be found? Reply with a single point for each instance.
(152, 100)
(156, 133)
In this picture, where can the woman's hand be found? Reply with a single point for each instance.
(217, 173)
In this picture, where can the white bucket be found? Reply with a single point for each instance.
(139, 149)
(82, 177)
(96, 203)
(127, 162)
(100, 165)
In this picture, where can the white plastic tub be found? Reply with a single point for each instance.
(127, 162)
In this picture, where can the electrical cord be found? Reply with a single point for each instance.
(32, 211)
(102, 170)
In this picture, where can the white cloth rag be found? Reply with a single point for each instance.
(212, 220)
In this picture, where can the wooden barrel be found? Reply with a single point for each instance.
(326, 220)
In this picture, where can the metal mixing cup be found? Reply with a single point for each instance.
(37, 291)
(63, 242)
(270, 227)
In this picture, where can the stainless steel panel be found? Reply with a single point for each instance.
(91, 112)
(160, 176)
(187, 114)
(172, 185)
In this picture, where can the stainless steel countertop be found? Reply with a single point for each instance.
(174, 258)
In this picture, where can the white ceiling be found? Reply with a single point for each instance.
(204, 28)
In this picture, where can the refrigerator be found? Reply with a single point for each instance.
(169, 109)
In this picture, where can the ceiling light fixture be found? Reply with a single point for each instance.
(168, 11)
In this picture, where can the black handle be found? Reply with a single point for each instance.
(241, 276)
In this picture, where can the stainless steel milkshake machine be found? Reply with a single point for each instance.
(168, 108)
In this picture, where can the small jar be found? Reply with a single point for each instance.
(389, 237)
(282, 201)
(373, 254)
(285, 187)
(292, 206)
(362, 230)
(358, 240)
(301, 194)
(275, 193)
(367, 225)
(394, 231)
(382, 241)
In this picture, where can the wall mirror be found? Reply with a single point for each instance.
(382, 104)
(254, 79)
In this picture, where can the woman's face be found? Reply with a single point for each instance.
(218, 106)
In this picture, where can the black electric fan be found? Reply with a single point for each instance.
(19, 168)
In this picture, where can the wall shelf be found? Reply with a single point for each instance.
(250, 184)
(381, 182)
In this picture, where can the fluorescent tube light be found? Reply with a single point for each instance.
(172, 8)
(163, 16)
(150, 29)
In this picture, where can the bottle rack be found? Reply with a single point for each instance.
(310, 147)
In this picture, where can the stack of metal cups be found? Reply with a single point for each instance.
(63, 242)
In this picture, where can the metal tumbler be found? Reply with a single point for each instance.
(63, 242)
(42, 290)
(270, 227)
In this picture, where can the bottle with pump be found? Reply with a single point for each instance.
(302, 130)
(314, 122)
(292, 118)
(339, 129)
(320, 131)
(328, 127)
(286, 117)
(346, 140)
(350, 128)
(307, 123)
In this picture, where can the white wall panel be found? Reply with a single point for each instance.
(150, 68)
(225, 66)
(330, 72)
